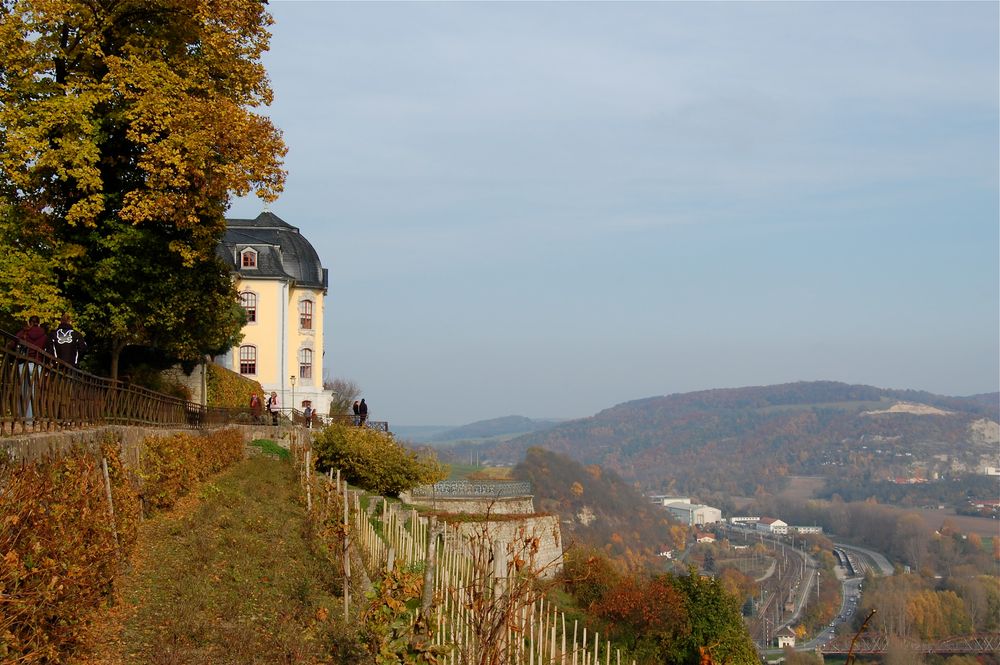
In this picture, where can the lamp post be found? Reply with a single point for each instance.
(291, 413)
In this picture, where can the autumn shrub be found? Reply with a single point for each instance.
(229, 389)
(668, 618)
(58, 549)
(374, 461)
(588, 575)
(172, 465)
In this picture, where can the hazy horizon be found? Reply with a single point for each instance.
(546, 209)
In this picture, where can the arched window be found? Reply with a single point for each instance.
(305, 364)
(306, 314)
(248, 359)
(249, 301)
(248, 258)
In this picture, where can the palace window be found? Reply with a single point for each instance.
(248, 299)
(248, 258)
(306, 314)
(305, 364)
(248, 359)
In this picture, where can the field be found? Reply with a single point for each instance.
(984, 526)
(802, 488)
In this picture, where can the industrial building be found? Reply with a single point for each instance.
(694, 513)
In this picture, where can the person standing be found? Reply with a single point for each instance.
(357, 411)
(34, 341)
(255, 407)
(308, 414)
(362, 413)
(66, 343)
(274, 406)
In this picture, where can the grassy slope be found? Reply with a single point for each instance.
(228, 577)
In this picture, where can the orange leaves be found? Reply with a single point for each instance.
(58, 548)
(172, 465)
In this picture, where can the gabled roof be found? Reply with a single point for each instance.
(282, 252)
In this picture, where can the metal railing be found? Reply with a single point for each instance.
(475, 489)
(39, 393)
(352, 420)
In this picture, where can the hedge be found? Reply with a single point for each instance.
(58, 552)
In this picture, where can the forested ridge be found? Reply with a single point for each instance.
(745, 440)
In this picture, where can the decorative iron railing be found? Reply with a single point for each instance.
(474, 489)
(352, 420)
(41, 393)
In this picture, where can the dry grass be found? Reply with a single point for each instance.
(229, 576)
(802, 488)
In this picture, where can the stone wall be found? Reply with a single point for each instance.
(194, 382)
(535, 539)
(31, 447)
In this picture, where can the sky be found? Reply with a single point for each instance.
(547, 209)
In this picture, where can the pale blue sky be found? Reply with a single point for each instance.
(550, 208)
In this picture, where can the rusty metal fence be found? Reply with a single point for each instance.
(39, 393)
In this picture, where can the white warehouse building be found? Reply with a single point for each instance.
(694, 513)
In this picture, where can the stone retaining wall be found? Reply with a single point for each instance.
(518, 535)
(36, 446)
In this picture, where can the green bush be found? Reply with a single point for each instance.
(374, 461)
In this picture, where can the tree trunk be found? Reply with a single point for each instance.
(116, 350)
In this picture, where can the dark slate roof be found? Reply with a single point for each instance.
(282, 252)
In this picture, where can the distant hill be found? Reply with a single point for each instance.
(506, 426)
(418, 433)
(741, 440)
(596, 508)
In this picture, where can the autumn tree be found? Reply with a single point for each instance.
(649, 616)
(345, 392)
(125, 128)
(588, 575)
(716, 625)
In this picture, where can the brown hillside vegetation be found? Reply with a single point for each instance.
(740, 441)
(596, 507)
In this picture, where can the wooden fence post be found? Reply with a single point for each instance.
(309, 500)
(347, 560)
(111, 503)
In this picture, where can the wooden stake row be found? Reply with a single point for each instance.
(484, 609)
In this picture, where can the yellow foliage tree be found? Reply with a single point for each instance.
(125, 127)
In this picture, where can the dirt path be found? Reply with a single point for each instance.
(228, 576)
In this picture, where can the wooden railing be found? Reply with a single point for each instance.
(40, 393)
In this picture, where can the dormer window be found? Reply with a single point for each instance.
(248, 258)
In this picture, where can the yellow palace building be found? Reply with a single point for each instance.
(282, 287)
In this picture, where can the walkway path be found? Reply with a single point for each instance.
(228, 576)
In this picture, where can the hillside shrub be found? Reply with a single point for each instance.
(374, 461)
(58, 555)
(228, 389)
(171, 466)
